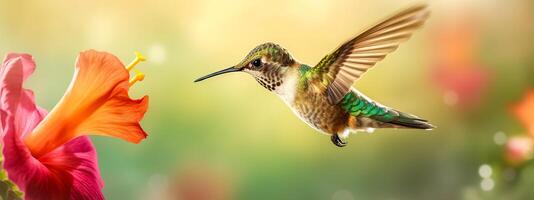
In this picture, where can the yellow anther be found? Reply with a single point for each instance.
(138, 58)
(137, 71)
(138, 77)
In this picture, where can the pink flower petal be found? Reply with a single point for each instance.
(69, 171)
(15, 100)
(28, 64)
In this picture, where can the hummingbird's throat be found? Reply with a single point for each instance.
(269, 83)
(139, 76)
(272, 77)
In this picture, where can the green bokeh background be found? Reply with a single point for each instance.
(233, 126)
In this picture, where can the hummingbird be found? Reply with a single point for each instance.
(322, 96)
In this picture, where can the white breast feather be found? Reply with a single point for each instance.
(288, 89)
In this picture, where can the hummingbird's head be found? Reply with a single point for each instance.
(267, 63)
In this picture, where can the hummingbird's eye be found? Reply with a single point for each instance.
(256, 63)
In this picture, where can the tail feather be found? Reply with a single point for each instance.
(366, 113)
(410, 121)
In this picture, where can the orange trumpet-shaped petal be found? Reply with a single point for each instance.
(96, 103)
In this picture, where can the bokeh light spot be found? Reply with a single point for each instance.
(500, 138)
(485, 171)
(157, 53)
(487, 184)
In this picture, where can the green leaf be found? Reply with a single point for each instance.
(8, 189)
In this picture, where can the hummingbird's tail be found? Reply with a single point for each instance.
(410, 121)
(391, 119)
(366, 113)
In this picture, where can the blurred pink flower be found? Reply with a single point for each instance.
(48, 155)
(457, 72)
(518, 150)
(524, 111)
(462, 87)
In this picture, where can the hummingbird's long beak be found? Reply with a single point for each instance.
(224, 71)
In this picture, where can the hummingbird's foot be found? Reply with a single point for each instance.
(337, 140)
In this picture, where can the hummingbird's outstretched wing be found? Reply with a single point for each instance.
(337, 71)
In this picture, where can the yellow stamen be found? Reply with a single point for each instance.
(139, 76)
(138, 58)
(137, 71)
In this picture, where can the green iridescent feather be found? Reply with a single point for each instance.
(305, 74)
(360, 106)
(275, 51)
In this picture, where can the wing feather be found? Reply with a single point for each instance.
(337, 71)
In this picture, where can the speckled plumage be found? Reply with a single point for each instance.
(323, 96)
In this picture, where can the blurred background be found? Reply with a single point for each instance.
(469, 71)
